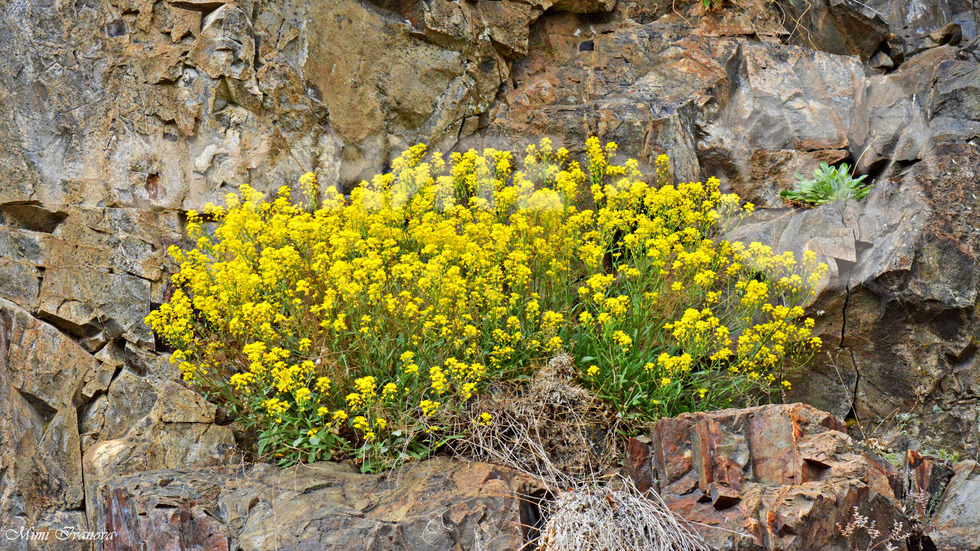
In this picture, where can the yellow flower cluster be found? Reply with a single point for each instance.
(349, 323)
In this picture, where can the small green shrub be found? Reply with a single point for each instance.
(829, 185)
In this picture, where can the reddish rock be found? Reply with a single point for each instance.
(637, 463)
(926, 478)
(164, 516)
(779, 477)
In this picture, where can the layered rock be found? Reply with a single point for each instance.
(771, 477)
(437, 504)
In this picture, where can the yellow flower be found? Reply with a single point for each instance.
(477, 263)
(389, 391)
(302, 394)
(355, 401)
(623, 340)
(438, 379)
(366, 386)
(429, 407)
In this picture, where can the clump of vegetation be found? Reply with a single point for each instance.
(828, 185)
(364, 326)
(615, 517)
(863, 533)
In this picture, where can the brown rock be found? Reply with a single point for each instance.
(773, 477)
(172, 512)
(96, 306)
(582, 6)
(177, 432)
(926, 479)
(320, 506)
(637, 464)
(844, 27)
(41, 376)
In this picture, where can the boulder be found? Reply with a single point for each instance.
(791, 110)
(642, 87)
(916, 26)
(146, 423)
(779, 477)
(435, 504)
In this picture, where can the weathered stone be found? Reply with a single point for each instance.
(436, 504)
(166, 426)
(175, 511)
(19, 281)
(846, 27)
(41, 376)
(926, 479)
(956, 524)
(96, 306)
(791, 111)
(773, 477)
(891, 118)
(387, 90)
(582, 6)
(913, 22)
(641, 87)
(637, 465)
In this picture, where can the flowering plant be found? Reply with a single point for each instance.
(364, 325)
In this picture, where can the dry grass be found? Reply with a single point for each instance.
(564, 438)
(601, 519)
(553, 429)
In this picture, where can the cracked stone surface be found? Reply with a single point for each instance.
(436, 504)
(122, 115)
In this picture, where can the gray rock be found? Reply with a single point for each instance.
(41, 376)
(956, 524)
(846, 27)
(96, 306)
(436, 504)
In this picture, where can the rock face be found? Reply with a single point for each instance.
(956, 524)
(122, 115)
(437, 504)
(771, 477)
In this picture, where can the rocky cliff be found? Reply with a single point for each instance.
(121, 115)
